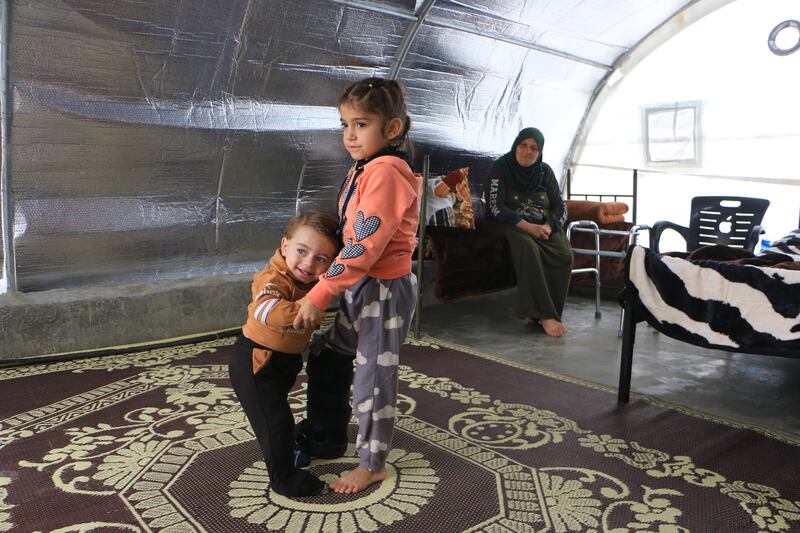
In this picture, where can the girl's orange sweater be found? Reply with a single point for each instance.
(380, 232)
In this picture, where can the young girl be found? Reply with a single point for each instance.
(378, 217)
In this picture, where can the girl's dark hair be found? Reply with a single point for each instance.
(326, 224)
(384, 98)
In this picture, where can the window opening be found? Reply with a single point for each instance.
(672, 133)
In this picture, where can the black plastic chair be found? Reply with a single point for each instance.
(729, 220)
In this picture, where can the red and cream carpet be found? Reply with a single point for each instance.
(156, 441)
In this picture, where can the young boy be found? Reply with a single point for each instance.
(267, 356)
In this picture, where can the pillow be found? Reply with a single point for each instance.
(786, 245)
(462, 204)
(449, 201)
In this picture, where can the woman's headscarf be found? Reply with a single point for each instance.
(524, 179)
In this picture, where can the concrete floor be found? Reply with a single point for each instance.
(754, 389)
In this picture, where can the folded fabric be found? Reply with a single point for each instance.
(786, 245)
(736, 256)
(440, 199)
(445, 217)
(599, 212)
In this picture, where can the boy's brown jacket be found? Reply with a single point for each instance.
(271, 313)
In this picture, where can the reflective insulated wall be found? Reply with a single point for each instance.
(155, 140)
(160, 139)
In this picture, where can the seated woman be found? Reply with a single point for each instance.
(524, 204)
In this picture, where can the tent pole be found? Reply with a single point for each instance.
(9, 262)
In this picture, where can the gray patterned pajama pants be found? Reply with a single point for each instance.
(372, 322)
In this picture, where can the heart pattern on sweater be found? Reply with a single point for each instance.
(334, 270)
(365, 228)
(352, 250)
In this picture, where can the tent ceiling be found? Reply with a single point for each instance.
(156, 139)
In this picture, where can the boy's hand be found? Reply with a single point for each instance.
(309, 315)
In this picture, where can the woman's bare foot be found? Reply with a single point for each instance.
(357, 480)
(553, 327)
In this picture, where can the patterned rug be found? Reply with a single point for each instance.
(156, 441)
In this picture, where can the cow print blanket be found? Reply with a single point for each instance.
(718, 297)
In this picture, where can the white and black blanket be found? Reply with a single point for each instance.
(718, 304)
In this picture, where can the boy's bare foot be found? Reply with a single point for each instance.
(357, 480)
(553, 327)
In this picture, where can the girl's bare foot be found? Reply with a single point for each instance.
(357, 480)
(553, 327)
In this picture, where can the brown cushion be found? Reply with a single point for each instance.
(599, 212)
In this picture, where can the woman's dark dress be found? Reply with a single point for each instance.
(542, 268)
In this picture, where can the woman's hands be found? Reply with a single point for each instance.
(537, 231)
(309, 315)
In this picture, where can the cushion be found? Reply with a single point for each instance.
(462, 206)
(599, 212)
(449, 200)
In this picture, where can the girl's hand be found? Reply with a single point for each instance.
(309, 315)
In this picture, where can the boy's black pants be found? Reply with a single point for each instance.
(264, 398)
